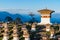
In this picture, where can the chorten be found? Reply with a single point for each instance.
(45, 16)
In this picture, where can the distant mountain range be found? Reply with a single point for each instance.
(24, 17)
(55, 17)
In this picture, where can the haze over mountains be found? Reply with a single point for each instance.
(55, 17)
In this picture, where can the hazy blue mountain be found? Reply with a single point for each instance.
(24, 17)
(55, 17)
(4, 14)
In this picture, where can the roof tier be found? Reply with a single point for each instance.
(45, 11)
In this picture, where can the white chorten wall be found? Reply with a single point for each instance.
(45, 18)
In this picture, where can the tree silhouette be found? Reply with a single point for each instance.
(8, 19)
(32, 20)
(18, 20)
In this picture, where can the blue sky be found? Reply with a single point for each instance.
(30, 4)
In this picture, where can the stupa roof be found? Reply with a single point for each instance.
(46, 10)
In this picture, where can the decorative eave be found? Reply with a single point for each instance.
(51, 11)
